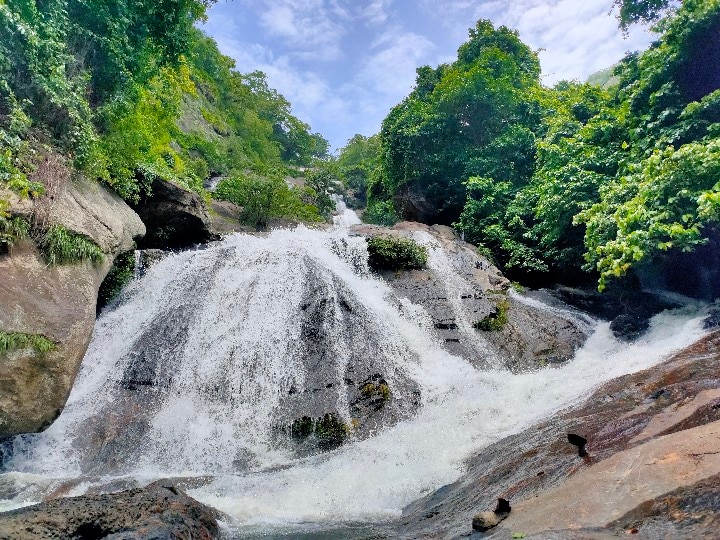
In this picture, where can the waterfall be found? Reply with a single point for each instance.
(210, 356)
(345, 217)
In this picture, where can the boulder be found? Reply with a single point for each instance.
(159, 511)
(175, 217)
(460, 288)
(484, 521)
(629, 326)
(57, 302)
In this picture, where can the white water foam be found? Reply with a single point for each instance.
(241, 335)
(464, 410)
(345, 217)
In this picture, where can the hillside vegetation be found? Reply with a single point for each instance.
(132, 91)
(555, 180)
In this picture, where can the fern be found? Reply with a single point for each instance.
(13, 341)
(59, 245)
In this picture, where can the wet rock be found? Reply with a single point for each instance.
(712, 321)
(175, 217)
(159, 511)
(224, 218)
(644, 451)
(471, 309)
(629, 327)
(687, 512)
(484, 521)
(580, 442)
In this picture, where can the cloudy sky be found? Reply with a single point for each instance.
(344, 63)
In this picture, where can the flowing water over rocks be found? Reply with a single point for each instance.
(237, 367)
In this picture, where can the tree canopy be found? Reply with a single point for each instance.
(552, 180)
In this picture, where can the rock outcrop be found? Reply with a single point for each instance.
(651, 469)
(159, 511)
(460, 288)
(175, 217)
(56, 302)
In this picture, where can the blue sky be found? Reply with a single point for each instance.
(343, 64)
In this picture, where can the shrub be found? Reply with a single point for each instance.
(381, 389)
(387, 253)
(497, 320)
(59, 245)
(380, 213)
(122, 271)
(263, 198)
(13, 341)
(12, 229)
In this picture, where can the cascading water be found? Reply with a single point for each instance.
(212, 354)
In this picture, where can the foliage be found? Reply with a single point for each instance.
(131, 91)
(497, 320)
(266, 197)
(12, 228)
(665, 203)
(469, 118)
(59, 245)
(121, 273)
(640, 11)
(14, 341)
(552, 180)
(380, 389)
(329, 431)
(321, 182)
(389, 253)
(355, 165)
(380, 213)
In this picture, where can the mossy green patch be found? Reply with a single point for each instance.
(497, 320)
(120, 274)
(59, 245)
(13, 341)
(388, 253)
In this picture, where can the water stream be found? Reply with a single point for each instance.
(193, 374)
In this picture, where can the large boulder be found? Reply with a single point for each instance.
(460, 289)
(175, 217)
(159, 511)
(55, 302)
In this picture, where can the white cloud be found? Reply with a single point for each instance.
(344, 63)
(391, 68)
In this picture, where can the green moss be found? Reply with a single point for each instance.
(122, 271)
(381, 389)
(59, 245)
(302, 427)
(13, 341)
(329, 430)
(387, 253)
(368, 390)
(497, 320)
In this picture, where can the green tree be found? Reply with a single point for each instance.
(470, 118)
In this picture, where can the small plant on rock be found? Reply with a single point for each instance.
(395, 254)
(62, 246)
(13, 341)
(497, 320)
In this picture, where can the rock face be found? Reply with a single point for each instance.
(695, 274)
(174, 216)
(57, 302)
(159, 511)
(652, 465)
(460, 288)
